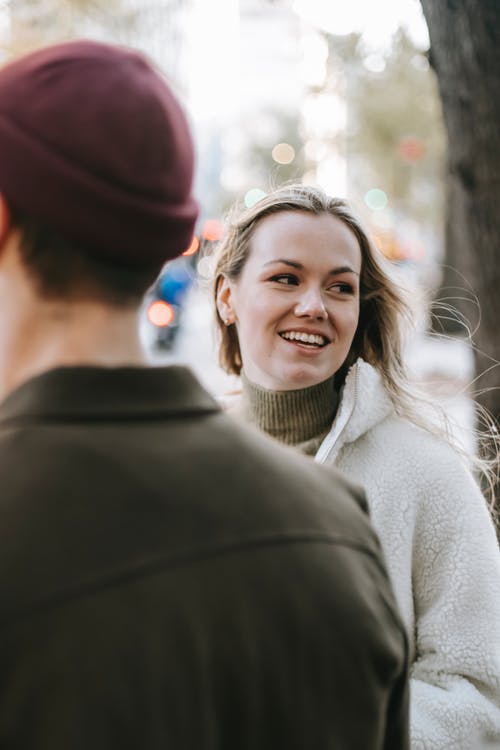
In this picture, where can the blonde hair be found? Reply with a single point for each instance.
(378, 338)
(384, 312)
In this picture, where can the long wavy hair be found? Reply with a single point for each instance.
(384, 317)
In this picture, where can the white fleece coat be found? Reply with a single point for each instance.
(442, 556)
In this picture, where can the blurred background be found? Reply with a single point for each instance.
(328, 92)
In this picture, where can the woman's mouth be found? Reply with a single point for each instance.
(315, 340)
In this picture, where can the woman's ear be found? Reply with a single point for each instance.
(224, 300)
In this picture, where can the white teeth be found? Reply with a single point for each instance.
(305, 338)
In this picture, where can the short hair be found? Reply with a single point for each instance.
(62, 268)
(378, 338)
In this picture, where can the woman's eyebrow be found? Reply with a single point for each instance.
(286, 262)
(295, 264)
(343, 269)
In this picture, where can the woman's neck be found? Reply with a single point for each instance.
(300, 417)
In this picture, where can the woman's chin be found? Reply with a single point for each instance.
(292, 378)
(295, 380)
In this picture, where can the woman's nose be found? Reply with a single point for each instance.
(311, 305)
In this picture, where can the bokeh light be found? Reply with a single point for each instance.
(212, 230)
(376, 199)
(253, 196)
(160, 313)
(283, 153)
(193, 247)
(411, 149)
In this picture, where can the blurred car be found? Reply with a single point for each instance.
(165, 300)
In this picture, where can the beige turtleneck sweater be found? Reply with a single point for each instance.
(301, 417)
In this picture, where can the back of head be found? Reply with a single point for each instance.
(95, 156)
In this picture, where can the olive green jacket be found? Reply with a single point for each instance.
(169, 579)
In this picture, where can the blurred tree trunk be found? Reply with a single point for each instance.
(465, 54)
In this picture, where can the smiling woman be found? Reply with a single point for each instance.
(312, 322)
(296, 300)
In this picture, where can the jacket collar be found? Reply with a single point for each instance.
(98, 393)
(364, 403)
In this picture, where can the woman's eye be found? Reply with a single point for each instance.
(287, 279)
(342, 287)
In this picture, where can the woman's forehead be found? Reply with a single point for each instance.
(306, 234)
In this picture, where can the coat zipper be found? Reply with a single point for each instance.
(323, 455)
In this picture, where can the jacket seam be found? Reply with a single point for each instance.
(183, 557)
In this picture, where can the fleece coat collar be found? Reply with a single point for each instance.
(364, 403)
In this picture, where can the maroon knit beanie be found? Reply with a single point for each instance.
(94, 145)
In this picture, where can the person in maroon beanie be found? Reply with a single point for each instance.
(168, 579)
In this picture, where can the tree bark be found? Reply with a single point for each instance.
(465, 54)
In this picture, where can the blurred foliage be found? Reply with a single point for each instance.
(275, 126)
(287, 130)
(394, 138)
(249, 154)
(37, 22)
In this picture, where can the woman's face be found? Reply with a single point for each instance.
(296, 302)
